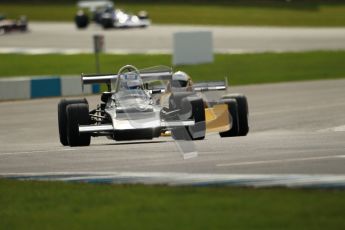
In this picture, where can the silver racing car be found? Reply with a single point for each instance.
(128, 111)
(105, 14)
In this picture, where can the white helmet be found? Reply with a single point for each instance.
(180, 80)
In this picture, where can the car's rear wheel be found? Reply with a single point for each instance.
(243, 112)
(81, 21)
(77, 114)
(233, 112)
(23, 28)
(191, 107)
(62, 117)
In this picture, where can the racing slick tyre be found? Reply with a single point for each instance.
(81, 21)
(233, 111)
(107, 23)
(243, 112)
(77, 114)
(23, 28)
(62, 117)
(191, 107)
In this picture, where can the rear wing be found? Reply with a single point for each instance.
(107, 78)
(211, 85)
(197, 87)
(97, 78)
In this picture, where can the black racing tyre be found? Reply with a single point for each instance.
(233, 111)
(62, 117)
(23, 28)
(77, 114)
(107, 23)
(243, 112)
(191, 107)
(105, 96)
(97, 17)
(198, 131)
(81, 21)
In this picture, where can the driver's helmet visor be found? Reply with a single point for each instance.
(179, 83)
(131, 80)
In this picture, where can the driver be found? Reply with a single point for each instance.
(131, 81)
(134, 84)
(180, 82)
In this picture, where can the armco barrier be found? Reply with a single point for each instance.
(15, 88)
(71, 86)
(45, 87)
(38, 87)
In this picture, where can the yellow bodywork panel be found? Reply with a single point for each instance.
(217, 118)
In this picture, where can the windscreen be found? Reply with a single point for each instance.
(156, 69)
(130, 90)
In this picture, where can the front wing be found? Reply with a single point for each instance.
(131, 125)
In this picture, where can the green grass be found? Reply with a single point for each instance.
(239, 68)
(294, 13)
(57, 205)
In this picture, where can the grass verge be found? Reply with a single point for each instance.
(57, 205)
(271, 13)
(239, 68)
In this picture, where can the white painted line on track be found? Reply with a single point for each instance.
(194, 179)
(189, 155)
(37, 51)
(339, 129)
(36, 151)
(333, 129)
(282, 160)
(34, 51)
(69, 51)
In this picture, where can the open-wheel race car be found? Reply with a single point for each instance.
(128, 111)
(8, 25)
(105, 14)
(135, 107)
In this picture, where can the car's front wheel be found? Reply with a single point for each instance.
(243, 112)
(62, 117)
(77, 114)
(81, 21)
(107, 22)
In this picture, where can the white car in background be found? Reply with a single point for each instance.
(105, 14)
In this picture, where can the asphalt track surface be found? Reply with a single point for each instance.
(295, 129)
(65, 38)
